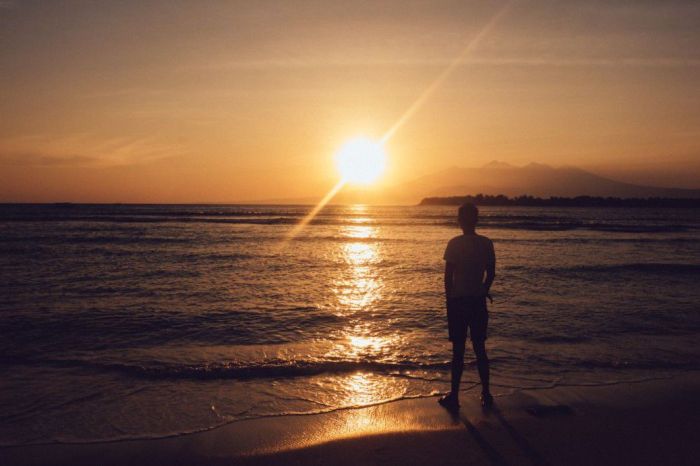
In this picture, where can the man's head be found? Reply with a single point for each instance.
(468, 215)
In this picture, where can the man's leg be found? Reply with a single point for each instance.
(457, 366)
(482, 364)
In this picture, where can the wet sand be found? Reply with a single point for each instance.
(651, 422)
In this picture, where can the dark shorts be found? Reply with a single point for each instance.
(467, 313)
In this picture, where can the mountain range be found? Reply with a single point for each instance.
(534, 179)
(496, 177)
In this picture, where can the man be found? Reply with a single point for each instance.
(470, 267)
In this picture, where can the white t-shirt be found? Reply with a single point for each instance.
(472, 255)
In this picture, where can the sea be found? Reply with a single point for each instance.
(143, 321)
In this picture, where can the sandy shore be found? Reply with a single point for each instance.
(653, 422)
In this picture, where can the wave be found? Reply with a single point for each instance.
(292, 369)
(579, 225)
(525, 226)
(665, 268)
(528, 223)
(268, 369)
(29, 243)
(599, 240)
(638, 365)
(559, 339)
(644, 267)
(110, 240)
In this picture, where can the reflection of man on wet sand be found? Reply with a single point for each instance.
(470, 265)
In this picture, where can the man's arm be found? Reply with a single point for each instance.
(449, 282)
(490, 269)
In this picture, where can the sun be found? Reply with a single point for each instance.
(361, 161)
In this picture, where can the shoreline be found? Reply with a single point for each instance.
(641, 422)
(464, 393)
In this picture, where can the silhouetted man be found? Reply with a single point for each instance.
(470, 267)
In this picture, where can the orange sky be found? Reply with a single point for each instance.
(169, 101)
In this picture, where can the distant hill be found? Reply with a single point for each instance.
(579, 201)
(534, 179)
(499, 178)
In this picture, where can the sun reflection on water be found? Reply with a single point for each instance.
(360, 388)
(359, 289)
(360, 254)
(359, 285)
(362, 343)
(362, 230)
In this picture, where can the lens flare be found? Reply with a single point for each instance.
(362, 160)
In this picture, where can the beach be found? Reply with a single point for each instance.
(645, 422)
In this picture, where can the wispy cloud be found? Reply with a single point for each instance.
(43, 160)
(659, 62)
(83, 150)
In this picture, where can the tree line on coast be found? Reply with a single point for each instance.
(578, 201)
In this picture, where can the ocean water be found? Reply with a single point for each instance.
(138, 321)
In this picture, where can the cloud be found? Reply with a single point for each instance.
(653, 62)
(82, 150)
(43, 160)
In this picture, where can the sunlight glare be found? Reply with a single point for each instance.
(361, 161)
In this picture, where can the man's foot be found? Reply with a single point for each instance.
(486, 400)
(449, 402)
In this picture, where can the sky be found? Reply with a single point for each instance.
(224, 101)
